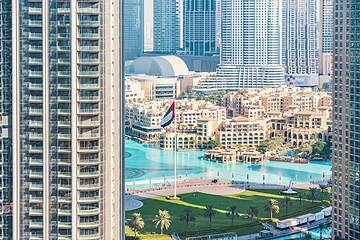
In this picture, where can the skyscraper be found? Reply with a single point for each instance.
(250, 46)
(346, 115)
(326, 36)
(200, 27)
(5, 121)
(62, 69)
(300, 55)
(133, 29)
(166, 26)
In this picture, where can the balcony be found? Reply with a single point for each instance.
(88, 23)
(35, 124)
(35, 36)
(89, 174)
(89, 85)
(64, 174)
(35, 186)
(89, 60)
(88, 211)
(35, 48)
(89, 224)
(89, 186)
(35, 136)
(35, 199)
(35, 174)
(63, 225)
(64, 162)
(89, 98)
(64, 73)
(90, 236)
(64, 123)
(64, 136)
(89, 48)
(63, 111)
(89, 111)
(89, 161)
(36, 162)
(36, 225)
(35, 149)
(88, 73)
(64, 187)
(36, 211)
(35, 99)
(63, 86)
(64, 98)
(35, 10)
(89, 35)
(36, 74)
(35, 86)
(35, 23)
(63, 10)
(63, 48)
(88, 10)
(65, 212)
(35, 111)
(35, 61)
(90, 135)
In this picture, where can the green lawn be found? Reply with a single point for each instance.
(221, 223)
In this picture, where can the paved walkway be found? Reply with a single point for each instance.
(131, 203)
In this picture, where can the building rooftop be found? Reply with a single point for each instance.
(163, 66)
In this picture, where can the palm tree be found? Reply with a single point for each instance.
(287, 203)
(307, 236)
(300, 196)
(187, 216)
(323, 188)
(272, 206)
(253, 211)
(136, 223)
(321, 227)
(162, 219)
(233, 212)
(210, 212)
(312, 194)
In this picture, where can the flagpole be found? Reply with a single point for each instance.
(175, 157)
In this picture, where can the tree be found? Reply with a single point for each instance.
(187, 216)
(162, 219)
(306, 148)
(214, 143)
(300, 196)
(307, 236)
(233, 212)
(323, 188)
(272, 206)
(253, 211)
(287, 203)
(136, 223)
(318, 148)
(321, 228)
(210, 212)
(312, 194)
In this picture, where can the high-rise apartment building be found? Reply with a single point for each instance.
(166, 28)
(326, 37)
(346, 115)
(300, 55)
(200, 27)
(5, 121)
(250, 55)
(60, 119)
(133, 29)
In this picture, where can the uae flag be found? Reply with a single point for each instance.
(169, 116)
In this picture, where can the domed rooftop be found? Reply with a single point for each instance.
(164, 66)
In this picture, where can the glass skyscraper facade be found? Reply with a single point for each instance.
(166, 29)
(346, 121)
(133, 29)
(200, 27)
(62, 72)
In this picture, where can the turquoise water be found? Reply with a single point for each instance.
(315, 234)
(146, 164)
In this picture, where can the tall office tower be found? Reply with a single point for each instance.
(326, 36)
(346, 115)
(5, 121)
(250, 46)
(166, 26)
(133, 29)
(218, 23)
(300, 55)
(65, 119)
(200, 27)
